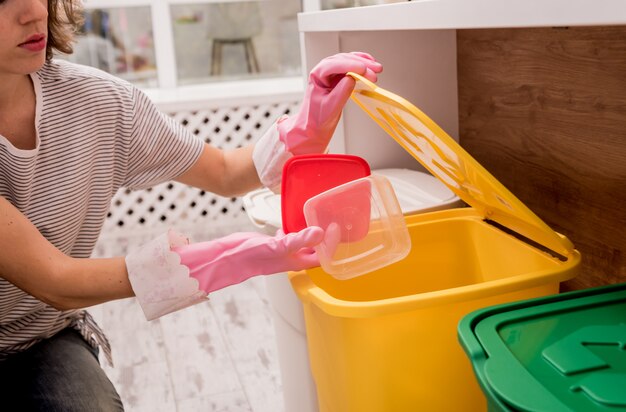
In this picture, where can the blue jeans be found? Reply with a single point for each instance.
(61, 373)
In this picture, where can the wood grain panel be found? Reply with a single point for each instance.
(544, 110)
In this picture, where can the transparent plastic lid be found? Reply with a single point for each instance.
(450, 163)
(365, 229)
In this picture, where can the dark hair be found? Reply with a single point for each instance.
(64, 19)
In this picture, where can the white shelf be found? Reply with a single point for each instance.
(465, 14)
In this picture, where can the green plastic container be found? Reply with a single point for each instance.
(559, 353)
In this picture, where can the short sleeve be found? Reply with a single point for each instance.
(160, 148)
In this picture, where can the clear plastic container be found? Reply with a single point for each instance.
(365, 229)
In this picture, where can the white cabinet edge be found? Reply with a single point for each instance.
(464, 14)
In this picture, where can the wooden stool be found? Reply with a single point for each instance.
(216, 54)
(234, 23)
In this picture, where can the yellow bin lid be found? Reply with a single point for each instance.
(449, 162)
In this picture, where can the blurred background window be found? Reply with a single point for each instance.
(234, 40)
(119, 41)
(212, 41)
(206, 41)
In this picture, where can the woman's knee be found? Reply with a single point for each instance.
(60, 373)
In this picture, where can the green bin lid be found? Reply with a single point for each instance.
(559, 353)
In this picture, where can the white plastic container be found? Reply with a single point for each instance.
(417, 192)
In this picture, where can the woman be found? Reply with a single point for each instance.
(70, 137)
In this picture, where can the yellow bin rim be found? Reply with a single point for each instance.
(308, 291)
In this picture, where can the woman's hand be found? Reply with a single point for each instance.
(237, 257)
(328, 90)
(311, 128)
(169, 274)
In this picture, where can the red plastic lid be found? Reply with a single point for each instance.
(305, 176)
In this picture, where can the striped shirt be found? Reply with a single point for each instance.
(95, 134)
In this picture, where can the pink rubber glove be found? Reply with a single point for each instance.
(235, 258)
(310, 130)
(168, 274)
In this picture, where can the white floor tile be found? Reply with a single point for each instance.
(226, 402)
(199, 360)
(246, 322)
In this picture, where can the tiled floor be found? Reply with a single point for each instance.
(217, 356)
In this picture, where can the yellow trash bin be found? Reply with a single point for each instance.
(387, 340)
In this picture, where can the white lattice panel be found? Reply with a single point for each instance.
(176, 205)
